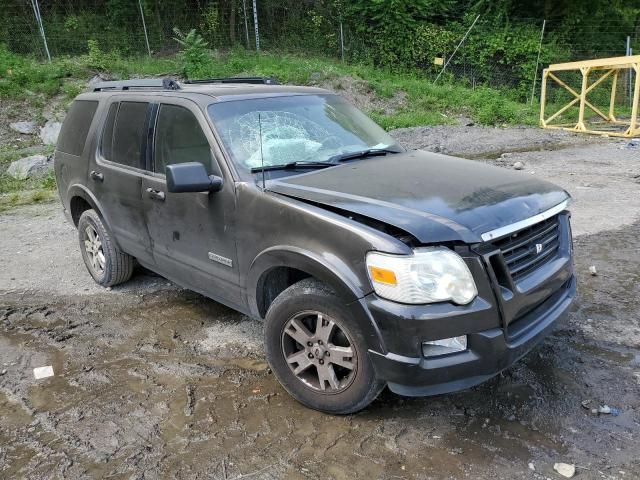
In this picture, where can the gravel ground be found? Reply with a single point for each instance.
(153, 381)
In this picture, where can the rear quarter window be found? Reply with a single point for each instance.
(75, 128)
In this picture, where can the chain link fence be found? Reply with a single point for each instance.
(147, 27)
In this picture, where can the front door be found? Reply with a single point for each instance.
(192, 234)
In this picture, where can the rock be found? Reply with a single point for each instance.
(607, 410)
(25, 128)
(532, 467)
(565, 469)
(506, 155)
(315, 77)
(29, 166)
(518, 166)
(43, 372)
(49, 133)
(465, 121)
(96, 79)
(593, 271)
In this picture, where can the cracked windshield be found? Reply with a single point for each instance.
(302, 128)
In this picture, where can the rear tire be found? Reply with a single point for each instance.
(326, 366)
(107, 264)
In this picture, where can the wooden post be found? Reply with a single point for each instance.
(543, 97)
(583, 98)
(612, 103)
(636, 99)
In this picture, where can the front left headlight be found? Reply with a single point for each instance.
(431, 274)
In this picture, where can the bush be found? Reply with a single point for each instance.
(193, 52)
(98, 59)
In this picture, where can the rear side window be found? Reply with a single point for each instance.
(75, 128)
(124, 133)
(179, 139)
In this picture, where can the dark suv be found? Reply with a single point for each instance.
(370, 265)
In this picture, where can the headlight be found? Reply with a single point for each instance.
(431, 274)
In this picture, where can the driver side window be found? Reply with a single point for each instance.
(179, 139)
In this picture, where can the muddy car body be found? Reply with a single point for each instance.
(371, 265)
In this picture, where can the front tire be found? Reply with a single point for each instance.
(317, 352)
(107, 264)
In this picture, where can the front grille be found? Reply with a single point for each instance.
(528, 249)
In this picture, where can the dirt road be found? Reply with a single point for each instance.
(152, 381)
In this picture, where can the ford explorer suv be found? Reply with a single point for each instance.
(370, 265)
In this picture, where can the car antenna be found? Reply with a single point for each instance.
(261, 156)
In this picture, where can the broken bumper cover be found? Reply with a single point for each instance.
(488, 353)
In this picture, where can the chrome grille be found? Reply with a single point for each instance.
(528, 249)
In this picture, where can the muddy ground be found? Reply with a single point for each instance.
(152, 381)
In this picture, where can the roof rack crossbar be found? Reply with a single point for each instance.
(254, 80)
(151, 83)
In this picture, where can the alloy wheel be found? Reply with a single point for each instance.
(319, 352)
(94, 249)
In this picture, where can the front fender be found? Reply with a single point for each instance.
(328, 269)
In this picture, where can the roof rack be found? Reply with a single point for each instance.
(254, 80)
(151, 83)
(170, 84)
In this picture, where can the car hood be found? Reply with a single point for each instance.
(433, 197)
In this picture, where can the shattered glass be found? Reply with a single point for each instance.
(294, 128)
(286, 137)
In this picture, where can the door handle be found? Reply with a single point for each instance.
(97, 176)
(155, 194)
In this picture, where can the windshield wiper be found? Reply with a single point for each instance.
(292, 165)
(370, 152)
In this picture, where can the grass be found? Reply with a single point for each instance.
(28, 197)
(425, 103)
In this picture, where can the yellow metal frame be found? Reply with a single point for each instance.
(606, 67)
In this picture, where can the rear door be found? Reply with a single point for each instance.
(116, 175)
(193, 234)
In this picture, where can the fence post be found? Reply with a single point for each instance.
(246, 26)
(456, 49)
(535, 75)
(341, 42)
(144, 27)
(255, 25)
(36, 12)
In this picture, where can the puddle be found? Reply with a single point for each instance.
(618, 356)
(497, 154)
(244, 363)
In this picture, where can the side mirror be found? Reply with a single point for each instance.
(191, 177)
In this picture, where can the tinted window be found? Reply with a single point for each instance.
(73, 134)
(107, 136)
(123, 140)
(179, 139)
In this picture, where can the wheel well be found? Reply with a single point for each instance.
(77, 206)
(273, 283)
